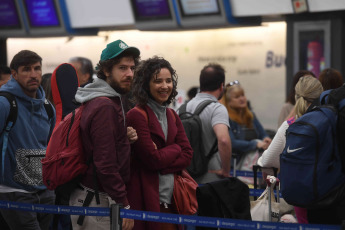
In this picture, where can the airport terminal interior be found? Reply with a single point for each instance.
(261, 44)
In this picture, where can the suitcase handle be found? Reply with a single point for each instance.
(272, 180)
(255, 171)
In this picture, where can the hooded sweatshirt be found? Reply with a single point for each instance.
(27, 141)
(104, 137)
(98, 88)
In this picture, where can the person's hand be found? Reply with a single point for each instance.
(132, 135)
(262, 145)
(267, 140)
(220, 172)
(127, 224)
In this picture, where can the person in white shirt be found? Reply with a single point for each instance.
(308, 89)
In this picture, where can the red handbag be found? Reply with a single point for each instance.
(185, 194)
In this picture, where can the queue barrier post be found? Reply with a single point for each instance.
(115, 219)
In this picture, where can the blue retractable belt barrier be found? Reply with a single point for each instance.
(245, 173)
(163, 217)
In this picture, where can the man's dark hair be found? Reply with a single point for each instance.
(107, 65)
(192, 92)
(85, 65)
(24, 58)
(142, 76)
(4, 70)
(296, 77)
(212, 76)
(331, 79)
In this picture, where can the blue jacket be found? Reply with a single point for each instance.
(237, 135)
(27, 142)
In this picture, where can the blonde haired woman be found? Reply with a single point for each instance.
(308, 89)
(246, 132)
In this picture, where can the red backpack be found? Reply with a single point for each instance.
(65, 158)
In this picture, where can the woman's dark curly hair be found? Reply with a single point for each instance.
(145, 71)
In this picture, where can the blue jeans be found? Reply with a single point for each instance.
(25, 220)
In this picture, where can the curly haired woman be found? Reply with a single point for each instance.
(162, 148)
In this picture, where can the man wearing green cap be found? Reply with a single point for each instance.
(104, 136)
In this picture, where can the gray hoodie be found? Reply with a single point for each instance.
(98, 88)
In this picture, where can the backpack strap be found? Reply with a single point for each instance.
(86, 203)
(12, 117)
(10, 121)
(90, 195)
(324, 97)
(202, 106)
(49, 108)
(197, 111)
(336, 97)
(183, 108)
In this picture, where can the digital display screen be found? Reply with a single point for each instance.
(199, 7)
(9, 14)
(42, 13)
(151, 9)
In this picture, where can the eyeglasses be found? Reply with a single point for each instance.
(232, 83)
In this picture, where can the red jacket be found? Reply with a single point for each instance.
(104, 135)
(170, 156)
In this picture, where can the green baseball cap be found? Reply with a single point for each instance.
(115, 48)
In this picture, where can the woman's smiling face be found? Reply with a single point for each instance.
(161, 86)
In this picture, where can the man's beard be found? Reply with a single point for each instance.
(116, 86)
(221, 95)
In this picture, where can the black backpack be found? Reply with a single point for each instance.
(193, 128)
